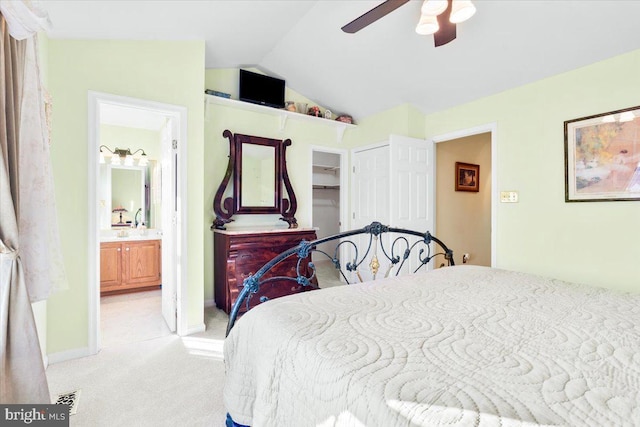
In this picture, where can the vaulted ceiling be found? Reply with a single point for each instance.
(507, 43)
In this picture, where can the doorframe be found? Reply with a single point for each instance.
(179, 113)
(492, 129)
(344, 182)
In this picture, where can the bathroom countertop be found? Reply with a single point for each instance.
(131, 236)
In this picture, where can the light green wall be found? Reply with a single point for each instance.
(402, 120)
(593, 243)
(168, 72)
(133, 138)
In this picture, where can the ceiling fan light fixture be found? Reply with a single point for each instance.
(461, 10)
(428, 25)
(434, 7)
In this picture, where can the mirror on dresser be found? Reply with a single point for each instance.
(256, 180)
(258, 187)
(125, 196)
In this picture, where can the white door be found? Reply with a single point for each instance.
(370, 198)
(412, 186)
(169, 173)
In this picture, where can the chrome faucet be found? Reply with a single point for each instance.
(135, 218)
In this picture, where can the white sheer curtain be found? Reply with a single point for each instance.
(31, 265)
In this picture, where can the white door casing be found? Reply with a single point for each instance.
(179, 117)
(169, 223)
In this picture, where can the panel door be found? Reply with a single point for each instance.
(411, 182)
(370, 196)
(170, 223)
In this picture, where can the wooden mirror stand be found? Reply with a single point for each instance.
(269, 159)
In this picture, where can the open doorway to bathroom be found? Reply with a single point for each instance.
(329, 207)
(136, 168)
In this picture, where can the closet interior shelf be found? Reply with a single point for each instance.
(326, 187)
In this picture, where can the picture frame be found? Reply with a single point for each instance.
(602, 157)
(467, 177)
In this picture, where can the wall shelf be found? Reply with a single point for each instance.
(282, 115)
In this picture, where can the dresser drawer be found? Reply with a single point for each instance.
(239, 256)
(276, 288)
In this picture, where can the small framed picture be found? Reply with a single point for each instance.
(467, 177)
(602, 157)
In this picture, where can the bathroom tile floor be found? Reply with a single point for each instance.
(133, 317)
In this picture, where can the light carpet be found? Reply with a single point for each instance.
(145, 376)
(165, 381)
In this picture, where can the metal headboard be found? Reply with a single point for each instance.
(397, 252)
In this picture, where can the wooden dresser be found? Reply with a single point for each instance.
(238, 254)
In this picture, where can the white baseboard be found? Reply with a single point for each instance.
(63, 356)
(209, 303)
(195, 329)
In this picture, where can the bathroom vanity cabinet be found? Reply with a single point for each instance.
(130, 265)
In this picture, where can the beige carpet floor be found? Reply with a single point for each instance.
(146, 376)
(164, 381)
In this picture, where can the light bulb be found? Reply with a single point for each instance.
(461, 10)
(434, 7)
(428, 25)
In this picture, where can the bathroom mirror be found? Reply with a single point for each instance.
(125, 196)
(257, 171)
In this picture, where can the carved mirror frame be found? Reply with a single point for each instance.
(285, 202)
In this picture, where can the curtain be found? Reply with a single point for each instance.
(30, 257)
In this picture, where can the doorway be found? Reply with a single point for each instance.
(473, 235)
(153, 129)
(328, 206)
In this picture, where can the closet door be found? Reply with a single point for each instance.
(412, 186)
(370, 186)
(370, 198)
(393, 184)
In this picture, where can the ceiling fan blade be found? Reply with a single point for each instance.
(373, 15)
(447, 31)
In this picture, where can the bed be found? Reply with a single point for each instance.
(456, 346)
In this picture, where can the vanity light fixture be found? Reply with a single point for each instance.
(124, 155)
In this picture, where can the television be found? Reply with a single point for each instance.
(260, 89)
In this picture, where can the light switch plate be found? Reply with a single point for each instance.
(509, 197)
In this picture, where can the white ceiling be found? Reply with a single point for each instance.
(504, 45)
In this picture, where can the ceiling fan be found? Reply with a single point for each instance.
(438, 17)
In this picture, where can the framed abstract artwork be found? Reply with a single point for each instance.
(602, 157)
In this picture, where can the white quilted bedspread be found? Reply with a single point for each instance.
(458, 346)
